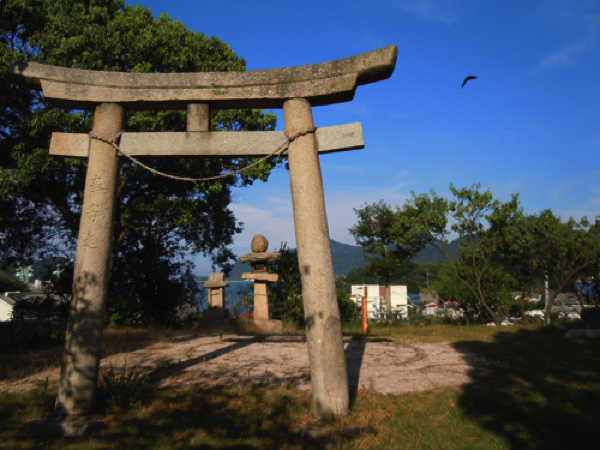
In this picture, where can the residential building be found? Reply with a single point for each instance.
(376, 299)
(6, 306)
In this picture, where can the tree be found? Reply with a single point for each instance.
(565, 251)
(481, 223)
(41, 196)
(389, 239)
(286, 294)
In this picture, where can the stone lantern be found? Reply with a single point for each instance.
(216, 297)
(259, 260)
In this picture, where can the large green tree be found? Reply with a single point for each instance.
(565, 251)
(389, 239)
(41, 196)
(481, 223)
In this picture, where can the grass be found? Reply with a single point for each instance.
(542, 392)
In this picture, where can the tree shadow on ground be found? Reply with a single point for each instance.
(539, 389)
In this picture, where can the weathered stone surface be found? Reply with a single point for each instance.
(323, 322)
(259, 243)
(198, 117)
(210, 144)
(215, 280)
(79, 375)
(261, 301)
(269, 326)
(259, 257)
(235, 360)
(323, 84)
(268, 277)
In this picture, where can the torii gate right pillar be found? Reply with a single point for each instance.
(329, 375)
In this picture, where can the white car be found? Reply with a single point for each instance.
(569, 315)
(535, 313)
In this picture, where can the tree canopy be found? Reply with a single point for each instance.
(157, 219)
(389, 239)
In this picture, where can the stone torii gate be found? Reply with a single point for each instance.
(296, 90)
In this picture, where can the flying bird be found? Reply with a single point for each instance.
(470, 77)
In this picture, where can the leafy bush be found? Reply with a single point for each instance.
(127, 390)
(7, 284)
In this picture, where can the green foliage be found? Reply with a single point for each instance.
(349, 310)
(565, 251)
(10, 284)
(413, 276)
(389, 238)
(286, 294)
(54, 304)
(129, 390)
(156, 217)
(481, 223)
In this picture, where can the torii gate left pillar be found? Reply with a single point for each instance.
(296, 90)
(79, 374)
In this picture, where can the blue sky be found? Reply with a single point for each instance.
(530, 123)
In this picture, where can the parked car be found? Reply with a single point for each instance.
(568, 315)
(535, 313)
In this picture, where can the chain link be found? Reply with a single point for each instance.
(278, 150)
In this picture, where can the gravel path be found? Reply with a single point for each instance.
(386, 367)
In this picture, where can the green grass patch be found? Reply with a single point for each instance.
(539, 390)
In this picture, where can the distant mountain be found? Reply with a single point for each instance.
(346, 257)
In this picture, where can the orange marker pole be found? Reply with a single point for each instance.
(365, 324)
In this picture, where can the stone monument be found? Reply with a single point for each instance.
(259, 263)
(216, 298)
(295, 89)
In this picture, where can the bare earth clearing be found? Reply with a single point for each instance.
(386, 367)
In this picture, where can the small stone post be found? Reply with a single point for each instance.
(79, 374)
(329, 375)
(216, 297)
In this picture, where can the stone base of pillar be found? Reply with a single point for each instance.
(261, 301)
(73, 426)
(215, 314)
(268, 326)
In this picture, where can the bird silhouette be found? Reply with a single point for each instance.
(470, 77)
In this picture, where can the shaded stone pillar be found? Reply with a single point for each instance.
(329, 375)
(216, 298)
(79, 374)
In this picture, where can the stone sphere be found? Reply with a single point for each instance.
(259, 243)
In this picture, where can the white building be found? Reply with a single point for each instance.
(376, 299)
(6, 307)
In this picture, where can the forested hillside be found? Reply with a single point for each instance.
(347, 257)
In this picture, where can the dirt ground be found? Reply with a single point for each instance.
(386, 367)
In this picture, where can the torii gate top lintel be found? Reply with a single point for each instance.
(322, 84)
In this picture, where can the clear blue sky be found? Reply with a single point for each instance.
(529, 124)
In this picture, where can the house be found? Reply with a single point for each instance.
(6, 306)
(430, 309)
(376, 299)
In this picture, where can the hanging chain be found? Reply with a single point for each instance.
(277, 151)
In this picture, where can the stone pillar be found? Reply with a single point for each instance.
(261, 301)
(79, 375)
(329, 375)
(215, 298)
(198, 117)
